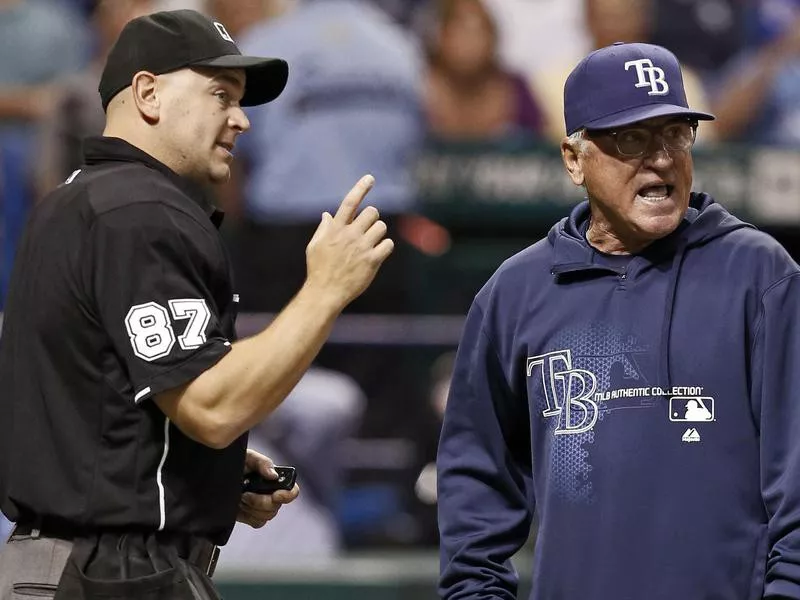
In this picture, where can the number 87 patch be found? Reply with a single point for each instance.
(151, 332)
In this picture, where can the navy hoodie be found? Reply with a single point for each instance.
(646, 416)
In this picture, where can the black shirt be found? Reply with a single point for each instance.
(121, 289)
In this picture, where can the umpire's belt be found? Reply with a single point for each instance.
(196, 550)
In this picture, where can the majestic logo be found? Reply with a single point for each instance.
(224, 32)
(691, 435)
(649, 76)
(567, 392)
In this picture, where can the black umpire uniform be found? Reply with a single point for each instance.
(121, 290)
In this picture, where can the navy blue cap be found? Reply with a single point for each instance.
(625, 83)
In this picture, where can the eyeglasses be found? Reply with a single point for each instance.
(633, 142)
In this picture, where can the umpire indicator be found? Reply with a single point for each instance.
(258, 484)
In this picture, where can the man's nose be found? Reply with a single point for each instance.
(658, 153)
(238, 119)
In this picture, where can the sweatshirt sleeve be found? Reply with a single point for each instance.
(775, 364)
(484, 474)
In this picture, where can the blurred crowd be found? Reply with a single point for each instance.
(371, 83)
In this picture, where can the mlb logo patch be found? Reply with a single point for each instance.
(691, 409)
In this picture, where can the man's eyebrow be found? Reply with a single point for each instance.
(228, 78)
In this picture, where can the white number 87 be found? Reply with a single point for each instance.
(151, 332)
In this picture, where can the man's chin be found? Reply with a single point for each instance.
(658, 227)
(219, 175)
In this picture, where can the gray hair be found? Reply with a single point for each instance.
(578, 140)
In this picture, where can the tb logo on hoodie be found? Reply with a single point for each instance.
(567, 392)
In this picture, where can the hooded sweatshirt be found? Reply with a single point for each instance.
(645, 412)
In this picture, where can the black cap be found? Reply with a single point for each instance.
(170, 40)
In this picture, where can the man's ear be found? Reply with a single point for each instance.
(145, 95)
(571, 155)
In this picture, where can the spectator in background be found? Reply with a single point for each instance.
(534, 34)
(308, 431)
(609, 21)
(469, 94)
(40, 42)
(704, 34)
(440, 377)
(352, 105)
(78, 112)
(238, 16)
(404, 12)
(758, 100)
(322, 411)
(183, 4)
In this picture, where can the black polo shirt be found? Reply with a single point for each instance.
(121, 289)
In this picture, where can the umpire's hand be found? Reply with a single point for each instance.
(256, 509)
(347, 249)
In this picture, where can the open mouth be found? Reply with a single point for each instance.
(226, 146)
(656, 193)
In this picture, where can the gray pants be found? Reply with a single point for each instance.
(31, 567)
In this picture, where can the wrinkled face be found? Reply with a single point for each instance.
(466, 39)
(200, 119)
(640, 199)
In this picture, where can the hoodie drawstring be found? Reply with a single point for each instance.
(666, 329)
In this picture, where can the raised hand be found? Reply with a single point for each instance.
(348, 248)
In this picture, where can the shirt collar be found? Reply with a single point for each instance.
(101, 149)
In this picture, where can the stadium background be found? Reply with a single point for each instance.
(363, 432)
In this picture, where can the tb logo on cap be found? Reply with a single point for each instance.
(649, 76)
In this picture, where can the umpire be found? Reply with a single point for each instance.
(125, 401)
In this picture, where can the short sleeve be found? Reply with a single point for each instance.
(154, 273)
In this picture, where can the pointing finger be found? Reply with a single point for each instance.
(349, 206)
